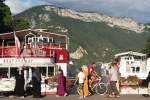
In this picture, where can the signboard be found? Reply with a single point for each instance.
(26, 60)
(61, 56)
(6, 60)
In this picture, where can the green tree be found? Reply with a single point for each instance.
(146, 50)
(6, 23)
(2, 1)
(5, 18)
(20, 23)
(2, 13)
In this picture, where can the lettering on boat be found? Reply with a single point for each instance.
(17, 60)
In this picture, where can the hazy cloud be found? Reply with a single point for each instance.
(135, 9)
(17, 6)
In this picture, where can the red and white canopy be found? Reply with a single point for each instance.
(23, 33)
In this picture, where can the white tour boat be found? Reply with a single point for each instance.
(38, 49)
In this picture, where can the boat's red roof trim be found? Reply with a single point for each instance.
(22, 33)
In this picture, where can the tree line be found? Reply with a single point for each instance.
(8, 22)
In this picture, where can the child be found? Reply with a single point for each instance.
(81, 78)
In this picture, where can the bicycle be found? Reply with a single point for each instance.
(101, 88)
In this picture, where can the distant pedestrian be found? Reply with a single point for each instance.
(148, 84)
(36, 78)
(113, 80)
(86, 81)
(80, 78)
(61, 84)
(19, 86)
(118, 76)
(26, 77)
(104, 74)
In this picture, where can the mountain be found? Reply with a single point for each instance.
(93, 36)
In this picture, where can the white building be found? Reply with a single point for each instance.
(133, 63)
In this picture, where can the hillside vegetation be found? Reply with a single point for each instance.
(96, 40)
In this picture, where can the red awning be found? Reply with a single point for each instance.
(23, 33)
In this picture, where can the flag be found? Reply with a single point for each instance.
(17, 44)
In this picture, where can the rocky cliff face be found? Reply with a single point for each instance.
(78, 53)
(90, 43)
(124, 23)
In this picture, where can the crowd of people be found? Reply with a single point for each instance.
(22, 80)
(86, 76)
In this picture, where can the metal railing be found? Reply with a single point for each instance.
(11, 51)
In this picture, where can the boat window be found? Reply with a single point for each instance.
(43, 39)
(137, 69)
(46, 40)
(50, 71)
(43, 71)
(34, 39)
(12, 72)
(133, 69)
(29, 40)
(3, 72)
(11, 43)
(40, 39)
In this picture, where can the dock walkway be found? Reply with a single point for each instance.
(76, 97)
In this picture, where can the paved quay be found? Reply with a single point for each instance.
(76, 97)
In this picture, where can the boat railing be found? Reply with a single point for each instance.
(47, 45)
(11, 51)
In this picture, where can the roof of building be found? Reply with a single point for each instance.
(23, 33)
(130, 53)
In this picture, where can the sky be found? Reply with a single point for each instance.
(138, 10)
